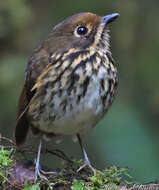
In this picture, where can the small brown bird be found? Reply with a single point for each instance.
(70, 81)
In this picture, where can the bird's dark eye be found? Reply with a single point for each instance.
(82, 30)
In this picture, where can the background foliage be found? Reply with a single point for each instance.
(129, 134)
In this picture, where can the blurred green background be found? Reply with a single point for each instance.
(129, 134)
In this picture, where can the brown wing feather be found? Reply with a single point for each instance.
(22, 125)
(36, 65)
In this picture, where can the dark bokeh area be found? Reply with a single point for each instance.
(129, 134)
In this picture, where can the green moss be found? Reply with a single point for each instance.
(110, 175)
(6, 160)
(78, 185)
(109, 178)
(32, 187)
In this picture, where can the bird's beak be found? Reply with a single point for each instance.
(109, 18)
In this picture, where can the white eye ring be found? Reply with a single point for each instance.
(81, 31)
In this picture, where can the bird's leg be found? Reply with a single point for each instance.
(37, 165)
(38, 171)
(86, 159)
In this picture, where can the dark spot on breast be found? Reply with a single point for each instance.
(108, 92)
(85, 85)
(104, 98)
(60, 92)
(102, 84)
(93, 62)
(73, 56)
(64, 107)
(110, 58)
(53, 60)
(78, 99)
(93, 57)
(110, 81)
(73, 78)
(81, 64)
(63, 104)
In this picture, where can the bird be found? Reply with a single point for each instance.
(70, 82)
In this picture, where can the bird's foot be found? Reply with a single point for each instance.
(38, 173)
(87, 164)
(41, 173)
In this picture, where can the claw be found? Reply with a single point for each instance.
(89, 166)
(39, 174)
(48, 173)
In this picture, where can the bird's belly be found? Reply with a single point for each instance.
(74, 124)
(74, 112)
(73, 117)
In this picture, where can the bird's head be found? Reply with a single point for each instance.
(81, 31)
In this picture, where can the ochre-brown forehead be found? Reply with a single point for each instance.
(87, 18)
